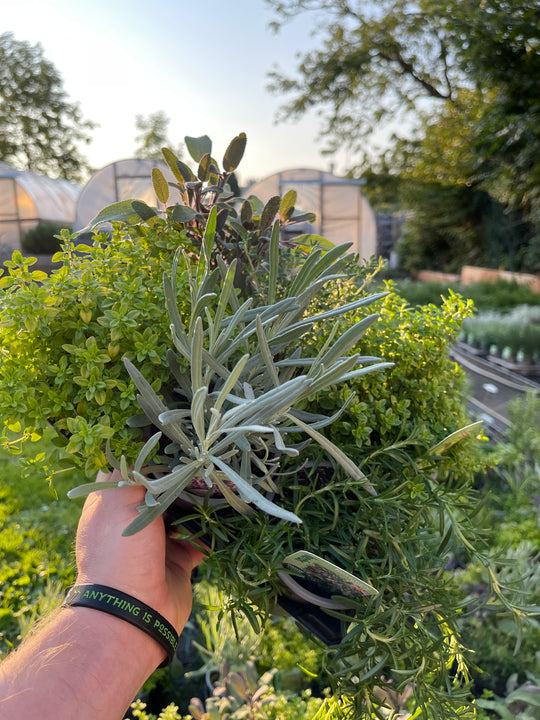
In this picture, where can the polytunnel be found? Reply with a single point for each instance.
(26, 198)
(343, 214)
(129, 179)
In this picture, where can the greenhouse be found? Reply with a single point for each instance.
(129, 179)
(26, 199)
(342, 211)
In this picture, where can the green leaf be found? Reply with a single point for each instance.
(173, 419)
(225, 295)
(231, 497)
(308, 272)
(246, 212)
(441, 447)
(335, 452)
(267, 406)
(274, 264)
(87, 488)
(337, 311)
(117, 212)
(309, 217)
(198, 146)
(325, 261)
(196, 355)
(205, 167)
(286, 207)
(149, 514)
(161, 186)
(223, 339)
(146, 450)
(348, 340)
(230, 382)
(186, 172)
(176, 166)
(365, 370)
(197, 412)
(249, 494)
(153, 404)
(234, 153)
(266, 354)
(183, 213)
(269, 213)
(240, 229)
(209, 234)
(318, 421)
(309, 240)
(144, 211)
(172, 309)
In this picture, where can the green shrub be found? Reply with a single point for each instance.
(43, 238)
(505, 643)
(514, 334)
(501, 643)
(64, 335)
(501, 295)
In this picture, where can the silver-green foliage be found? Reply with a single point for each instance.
(240, 377)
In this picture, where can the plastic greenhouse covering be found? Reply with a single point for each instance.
(26, 198)
(343, 213)
(129, 179)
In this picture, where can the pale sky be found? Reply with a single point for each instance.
(204, 64)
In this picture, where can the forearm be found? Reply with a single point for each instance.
(82, 665)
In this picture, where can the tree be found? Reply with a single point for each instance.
(465, 74)
(377, 61)
(467, 206)
(153, 136)
(40, 129)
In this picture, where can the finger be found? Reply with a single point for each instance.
(113, 476)
(183, 553)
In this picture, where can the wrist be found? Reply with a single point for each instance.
(115, 640)
(130, 610)
(139, 589)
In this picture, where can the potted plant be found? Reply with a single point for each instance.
(243, 354)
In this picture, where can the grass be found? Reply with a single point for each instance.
(36, 543)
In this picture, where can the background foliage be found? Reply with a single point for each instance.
(40, 129)
(459, 76)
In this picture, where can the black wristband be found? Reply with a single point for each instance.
(126, 607)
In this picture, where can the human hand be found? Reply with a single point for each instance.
(148, 565)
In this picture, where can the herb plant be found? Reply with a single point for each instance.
(229, 412)
(245, 357)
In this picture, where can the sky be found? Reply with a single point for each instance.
(204, 64)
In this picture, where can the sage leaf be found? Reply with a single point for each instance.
(161, 186)
(234, 153)
(198, 146)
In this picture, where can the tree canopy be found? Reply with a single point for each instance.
(459, 77)
(40, 129)
(381, 59)
(153, 136)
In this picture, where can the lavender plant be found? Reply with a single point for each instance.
(239, 376)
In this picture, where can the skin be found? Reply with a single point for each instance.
(82, 663)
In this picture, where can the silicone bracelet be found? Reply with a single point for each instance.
(126, 607)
